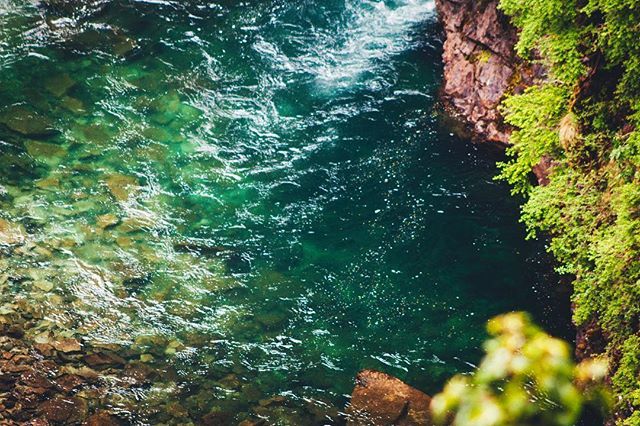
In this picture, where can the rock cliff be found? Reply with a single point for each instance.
(480, 65)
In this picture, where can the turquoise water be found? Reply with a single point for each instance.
(256, 199)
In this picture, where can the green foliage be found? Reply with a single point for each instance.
(526, 378)
(547, 27)
(536, 112)
(584, 120)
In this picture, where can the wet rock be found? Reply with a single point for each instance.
(59, 84)
(103, 360)
(26, 122)
(35, 379)
(37, 422)
(64, 409)
(43, 285)
(542, 170)
(44, 151)
(256, 422)
(274, 400)
(121, 186)
(84, 372)
(107, 220)
(138, 373)
(146, 358)
(44, 348)
(217, 418)
(380, 399)
(67, 345)
(69, 382)
(74, 105)
(590, 340)
(272, 320)
(11, 233)
(102, 418)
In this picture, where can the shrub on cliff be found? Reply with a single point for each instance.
(591, 205)
(526, 378)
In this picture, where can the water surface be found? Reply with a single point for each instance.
(256, 198)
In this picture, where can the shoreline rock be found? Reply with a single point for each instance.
(379, 399)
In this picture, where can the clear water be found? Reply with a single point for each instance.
(258, 194)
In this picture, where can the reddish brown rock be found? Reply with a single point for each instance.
(102, 419)
(480, 65)
(590, 340)
(35, 379)
(69, 382)
(103, 360)
(67, 345)
(543, 169)
(64, 409)
(383, 400)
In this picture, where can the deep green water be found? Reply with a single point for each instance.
(258, 194)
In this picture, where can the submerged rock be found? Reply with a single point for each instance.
(124, 46)
(59, 84)
(102, 419)
(26, 122)
(122, 186)
(64, 409)
(72, 104)
(107, 220)
(11, 233)
(44, 151)
(379, 399)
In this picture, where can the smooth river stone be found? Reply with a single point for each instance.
(43, 285)
(106, 220)
(97, 134)
(156, 134)
(44, 151)
(122, 186)
(59, 84)
(11, 233)
(124, 46)
(72, 104)
(26, 122)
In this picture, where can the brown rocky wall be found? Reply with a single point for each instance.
(480, 65)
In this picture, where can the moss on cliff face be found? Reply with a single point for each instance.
(586, 119)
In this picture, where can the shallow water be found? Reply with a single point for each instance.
(257, 198)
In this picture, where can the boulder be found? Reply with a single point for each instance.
(379, 399)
